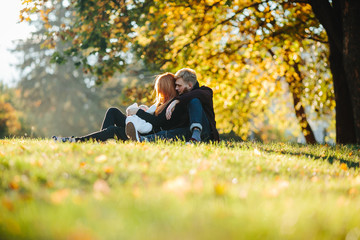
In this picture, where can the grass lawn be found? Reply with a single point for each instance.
(176, 191)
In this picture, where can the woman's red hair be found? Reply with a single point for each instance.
(164, 90)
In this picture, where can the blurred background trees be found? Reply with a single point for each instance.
(62, 99)
(267, 61)
(11, 120)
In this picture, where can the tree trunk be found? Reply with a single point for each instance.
(296, 90)
(345, 128)
(303, 122)
(295, 83)
(351, 56)
(341, 22)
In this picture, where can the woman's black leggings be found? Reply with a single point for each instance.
(112, 126)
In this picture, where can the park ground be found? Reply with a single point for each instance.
(230, 190)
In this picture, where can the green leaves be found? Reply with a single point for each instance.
(58, 58)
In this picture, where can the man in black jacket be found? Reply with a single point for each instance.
(200, 110)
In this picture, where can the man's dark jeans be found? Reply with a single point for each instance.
(197, 118)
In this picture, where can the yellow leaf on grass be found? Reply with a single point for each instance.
(101, 186)
(356, 180)
(109, 169)
(220, 189)
(8, 204)
(275, 190)
(14, 185)
(101, 158)
(80, 233)
(257, 152)
(343, 166)
(59, 196)
(353, 192)
(179, 185)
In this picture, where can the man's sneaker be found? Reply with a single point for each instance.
(63, 139)
(131, 132)
(196, 135)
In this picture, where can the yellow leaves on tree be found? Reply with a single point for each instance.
(9, 121)
(234, 46)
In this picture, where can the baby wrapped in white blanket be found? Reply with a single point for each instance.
(140, 124)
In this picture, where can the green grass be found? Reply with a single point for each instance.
(177, 191)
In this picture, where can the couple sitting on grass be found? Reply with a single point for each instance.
(182, 111)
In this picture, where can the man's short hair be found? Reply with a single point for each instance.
(187, 74)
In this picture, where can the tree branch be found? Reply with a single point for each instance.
(330, 19)
(218, 24)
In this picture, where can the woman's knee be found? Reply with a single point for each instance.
(112, 110)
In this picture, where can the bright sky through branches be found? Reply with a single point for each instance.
(11, 30)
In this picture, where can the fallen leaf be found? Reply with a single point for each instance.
(59, 196)
(80, 234)
(353, 192)
(257, 152)
(356, 180)
(8, 204)
(220, 189)
(179, 185)
(23, 147)
(282, 184)
(343, 166)
(109, 169)
(314, 179)
(274, 191)
(204, 165)
(101, 186)
(136, 192)
(54, 146)
(14, 185)
(101, 158)
(243, 194)
(192, 171)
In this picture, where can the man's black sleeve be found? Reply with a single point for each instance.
(203, 94)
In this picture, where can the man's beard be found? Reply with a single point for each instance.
(186, 90)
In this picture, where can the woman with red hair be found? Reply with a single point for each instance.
(164, 93)
(114, 123)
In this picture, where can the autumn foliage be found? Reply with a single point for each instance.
(10, 123)
(260, 57)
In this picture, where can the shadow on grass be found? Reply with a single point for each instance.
(330, 159)
(232, 137)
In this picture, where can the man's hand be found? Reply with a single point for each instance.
(132, 111)
(171, 108)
